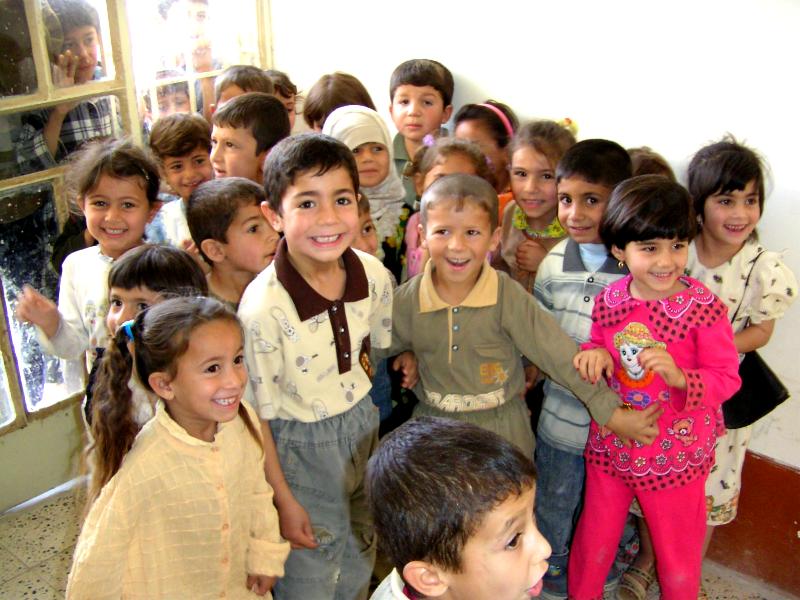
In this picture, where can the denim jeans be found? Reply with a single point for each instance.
(381, 392)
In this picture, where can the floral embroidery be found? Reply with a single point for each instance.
(638, 399)
(553, 230)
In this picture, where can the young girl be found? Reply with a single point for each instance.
(659, 337)
(530, 224)
(116, 186)
(188, 514)
(444, 157)
(329, 93)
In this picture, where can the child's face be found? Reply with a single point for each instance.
(533, 182)
(290, 102)
(366, 238)
(184, 173)
(125, 304)
(229, 93)
(83, 42)
(476, 131)
(506, 558)
(116, 212)
(581, 206)
(372, 160)
(418, 111)
(251, 241)
(318, 217)
(448, 165)
(209, 380)
(730, 218)
(655, 266)
(171, 103)
(233, 153)
(458, 242)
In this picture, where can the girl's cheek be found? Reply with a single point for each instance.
(384, 173)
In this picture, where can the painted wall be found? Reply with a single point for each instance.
(672, 76)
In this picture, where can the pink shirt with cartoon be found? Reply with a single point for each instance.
(693, 327)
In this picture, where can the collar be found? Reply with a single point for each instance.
(399, 147)
(675, 306)
(483, 293)
(179, 433)
(574, 262)
(306, 300)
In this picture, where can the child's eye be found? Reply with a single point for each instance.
(142, 306)
(239, 360)
(367, 229)
(648, 248)
(212, 368)
(751, 201)
(306, 204)
(548, 176)
(230, 144)
(99, 203)
(252, 229)
(679, 245)
(176, 167)
(724, 201)
(565, 200)
(513, 543)
(441, 231)
(128, 205)
(343, 201)
(473, 232)
(428, 103)
(592, 200)
(200, 161)
(116, 303)
(521, 173)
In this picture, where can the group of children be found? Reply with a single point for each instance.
(227, 429)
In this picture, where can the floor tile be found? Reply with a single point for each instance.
(10, 566)
(56, 568)
(28, 585)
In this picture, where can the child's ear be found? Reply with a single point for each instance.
(423, 241)
(427, 579)
(214, 250)
(154, 208)
(448, 110)
(261, 158)
(495, 242)
(271, 216)
(161, 384)
(617, 253)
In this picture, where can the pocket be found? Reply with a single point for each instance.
(494, 352)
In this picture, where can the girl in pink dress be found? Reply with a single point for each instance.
(657, 336)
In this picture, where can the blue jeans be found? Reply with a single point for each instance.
(381, 392)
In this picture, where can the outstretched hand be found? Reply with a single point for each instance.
(33, 307)
(593, 364)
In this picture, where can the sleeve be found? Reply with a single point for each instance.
(777, 289)
(380, 316)
(402, 307)
(545, 344)
(596, 332)
(31, 148)
(542, 289)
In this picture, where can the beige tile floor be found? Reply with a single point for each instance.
(37, 540)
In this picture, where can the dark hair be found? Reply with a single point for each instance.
(299, 154)
(160, 337)
(213, 206)
(431, 483)
(329, 93)
(262, 114)
(363, 204)
(601, 162)
(487, 116)
(281, 82)
(646, 161)
(420, 72)
(162, 269)
(247, 77)
(723, 167)
(427, 157)
(546, 137)
(463, 189)
(179, 134)
(75, 13)
(647, 207)
(115, 158)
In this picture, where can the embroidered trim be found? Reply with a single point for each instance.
(553, 230)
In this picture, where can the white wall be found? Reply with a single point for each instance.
(670, 75)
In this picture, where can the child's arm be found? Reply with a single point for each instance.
(754, 336)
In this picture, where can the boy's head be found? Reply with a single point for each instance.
(366, 238)
(182, 143)
(311, 183)
(228, 227)
(453, 510)
(80, 31)
(329, 93)
(646, 161)
(240, 79)
(586, 174)
(421, 93)
(285, 91)
(245, 130)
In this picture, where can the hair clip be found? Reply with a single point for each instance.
(429, 140)
(569, 125)
(127, 327)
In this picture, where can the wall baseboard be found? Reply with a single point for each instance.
(764, 540)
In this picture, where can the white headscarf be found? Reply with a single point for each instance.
(355, 125)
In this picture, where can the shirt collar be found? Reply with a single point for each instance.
(306, 300)
(574, 262)
(483, 293)
(175, 430)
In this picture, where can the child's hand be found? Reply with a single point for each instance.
(260, 584)
(529, 255)
(407, 363)
(639, 425)
(593, 364)
(295, 524)
(34, 308)
(660, 361)
(531, 374)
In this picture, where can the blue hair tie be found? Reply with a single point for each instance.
(127, 327)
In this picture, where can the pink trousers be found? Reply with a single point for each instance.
(676, 517)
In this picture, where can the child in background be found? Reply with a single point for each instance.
(182, 144)
(485, 544)
(491, 125)
(245, 130)
(240, 79)
(445, 156)
(363, 131)
(232, 234)
(285, 91)
(646, 161)
(116, 188)
(329, 93)
(567, 281)
(662, 339)
(366, 238)
(530, 224)
(188, 511)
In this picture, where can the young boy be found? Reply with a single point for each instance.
(569, 278)
(421, 94)
(240, 79)
(488, 320)
(485, 544)
(245, 130)
(181, 143)
(232, 234)
(310, 319)
(285, 91)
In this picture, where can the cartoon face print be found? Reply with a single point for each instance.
(628, 355)
(682, 431)
(288, 329)
(629, 343)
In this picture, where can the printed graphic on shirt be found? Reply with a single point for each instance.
(630, 342)
(493, 373)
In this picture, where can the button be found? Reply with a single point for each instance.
(590, 280)
(455, 309)
(455, 347)
(224, 560)
(586, 298)
(346, 355)
(334, 308)
(225, 527)
(456, 327)
(341, 329)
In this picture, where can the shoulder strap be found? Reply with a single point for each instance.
(746, 283)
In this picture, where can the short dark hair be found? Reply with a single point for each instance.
(363, 204)
(179, 134)
(262, 114)
(646, 161)
(647, 207)
(463, 189)
(281, 82)
(75, 13)
(213, 206)
(431, 483)
(420, 72)
(601, 162)
(301, 153)
(329, 93)
(159, 268)
(480, 112)
(546, 137)
(247, 77)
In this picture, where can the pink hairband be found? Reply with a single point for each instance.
(502, 116)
